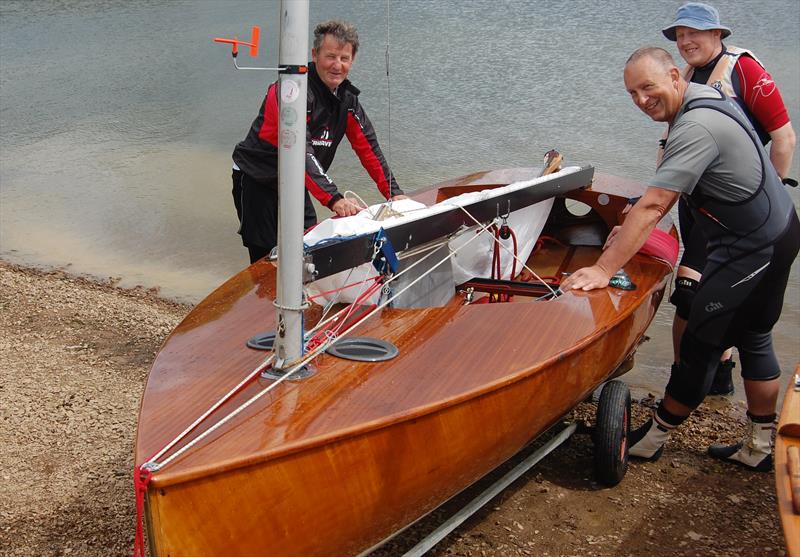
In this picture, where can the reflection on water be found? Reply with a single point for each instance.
(118, 119)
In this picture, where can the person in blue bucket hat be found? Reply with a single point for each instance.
(695, 15)
(698, 33)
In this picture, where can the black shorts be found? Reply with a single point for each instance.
(743, 295)
(737, 304)
(257, 208)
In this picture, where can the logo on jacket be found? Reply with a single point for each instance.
(713, 306)
(323, 140)
(764, 86)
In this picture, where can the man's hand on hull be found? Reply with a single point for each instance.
(587, 278)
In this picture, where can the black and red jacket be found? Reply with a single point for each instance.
(329, 118)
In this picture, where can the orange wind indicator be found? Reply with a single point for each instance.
(253, 44)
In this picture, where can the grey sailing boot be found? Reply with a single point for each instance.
(647, 442)
(755, 451)
(723, 379)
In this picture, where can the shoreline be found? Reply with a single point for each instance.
(76, 354)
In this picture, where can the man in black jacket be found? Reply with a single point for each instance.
(333, 111)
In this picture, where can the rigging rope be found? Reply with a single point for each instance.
(152, 465)
(388, 110)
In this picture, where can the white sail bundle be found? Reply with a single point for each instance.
(474, 261)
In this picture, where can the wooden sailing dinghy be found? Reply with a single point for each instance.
(336, 462)
(787, 465)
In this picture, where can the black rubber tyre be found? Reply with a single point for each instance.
(611, 433)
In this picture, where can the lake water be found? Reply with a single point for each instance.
(118, 118)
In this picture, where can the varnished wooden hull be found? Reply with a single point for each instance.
(335, 463)
(786, 440)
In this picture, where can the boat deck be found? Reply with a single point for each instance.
(445, 342)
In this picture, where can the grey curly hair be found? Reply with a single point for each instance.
(343, 32)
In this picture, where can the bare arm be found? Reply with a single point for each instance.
(782, 149)
(642, 219)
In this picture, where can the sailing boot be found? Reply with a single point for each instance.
(723, 379)
(755, 451)
(647, 442)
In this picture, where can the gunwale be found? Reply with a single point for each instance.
(788, 427)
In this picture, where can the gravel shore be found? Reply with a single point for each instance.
(75, 355)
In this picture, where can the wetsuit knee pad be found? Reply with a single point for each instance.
(757, 356)
(691, 378)
(683, 296)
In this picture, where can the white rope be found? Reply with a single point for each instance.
(263, 365)
(153, 465)
(351, 193)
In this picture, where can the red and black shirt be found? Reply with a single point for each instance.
(330, 116)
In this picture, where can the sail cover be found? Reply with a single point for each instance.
(469, 256)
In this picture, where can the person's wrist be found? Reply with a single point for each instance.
(336, 197)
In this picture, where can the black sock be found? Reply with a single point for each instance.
(668, 418)
(768, 419)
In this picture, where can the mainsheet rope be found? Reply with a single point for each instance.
(524, 266)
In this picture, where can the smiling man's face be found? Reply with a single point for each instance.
(697, 47)
(333, 61)
(654, 88)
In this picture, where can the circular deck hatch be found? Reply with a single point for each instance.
(262, 341)
(363, 349)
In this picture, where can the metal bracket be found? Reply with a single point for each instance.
(384, 257)
(309, 269)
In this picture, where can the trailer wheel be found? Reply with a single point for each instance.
(611, 433)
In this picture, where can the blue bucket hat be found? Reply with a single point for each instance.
(696, 16)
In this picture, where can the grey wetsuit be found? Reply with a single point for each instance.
(714, 158)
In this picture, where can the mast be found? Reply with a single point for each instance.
(293, 86)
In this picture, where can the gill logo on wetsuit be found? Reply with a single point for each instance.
(713, 306)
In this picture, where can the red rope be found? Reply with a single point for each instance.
(141, 479)
(350, 318)
(514, 262)
(345, 287)
(544, 239)
(497, 267)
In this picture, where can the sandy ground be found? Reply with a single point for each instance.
(75, 356)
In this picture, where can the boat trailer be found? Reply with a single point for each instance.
(610, 460)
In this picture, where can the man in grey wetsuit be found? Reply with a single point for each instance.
(714, 160)
(698, 35)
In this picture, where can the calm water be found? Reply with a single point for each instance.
(117, 118)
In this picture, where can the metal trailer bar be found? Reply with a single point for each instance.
(487, 495)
